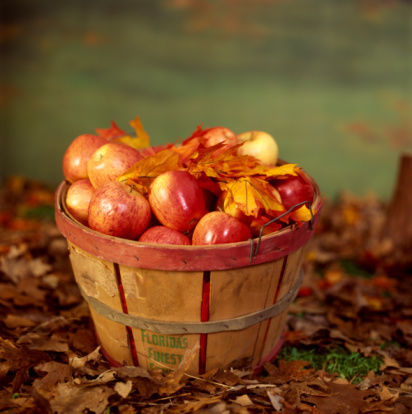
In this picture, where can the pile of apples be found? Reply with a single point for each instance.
(176, 210)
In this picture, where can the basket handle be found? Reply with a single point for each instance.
(255, 250)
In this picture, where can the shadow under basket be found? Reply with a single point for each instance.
(151, 303)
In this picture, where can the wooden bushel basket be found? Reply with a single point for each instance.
(151, 303)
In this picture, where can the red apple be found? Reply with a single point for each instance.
(118, 210)
(217, 227)
(260, 145)
(164, 235)
(110, 161)
(216, 135)
(77, 155)
(78, 199)
(177, 200)
(294, 190)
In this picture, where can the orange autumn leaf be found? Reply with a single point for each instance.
(141, 140)
(113, 132)
(147, 169)
(188, 149)
(251, 195)
(140, 131)
(215, 163)
(219, 164)
(198, 132)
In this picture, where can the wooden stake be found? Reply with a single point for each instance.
(399, 219)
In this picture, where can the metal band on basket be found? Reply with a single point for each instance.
(170, 327)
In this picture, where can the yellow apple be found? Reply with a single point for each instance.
(260, 145)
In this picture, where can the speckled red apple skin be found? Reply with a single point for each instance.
(78, 154)
(118, 210)
(218, 227)
(177, 200)
(164, 235)
(78, 199)
(109, 161)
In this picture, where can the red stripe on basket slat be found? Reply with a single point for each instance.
(282, 274)
(129, 331)
(204, 317)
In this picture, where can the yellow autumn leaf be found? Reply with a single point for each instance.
(130, 141)
(266, 195)
(141, 134)
(141, 140)
(240, 194)
(229, 205)
(250, 195)
(147, 169)
(220, 162)
(272, 172)
(301, 214)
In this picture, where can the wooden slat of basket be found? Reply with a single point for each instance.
(233, 293)
(166, 296)
(275, 325)
(263, 327)
(98, 279)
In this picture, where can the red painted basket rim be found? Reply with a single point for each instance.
(183, 258)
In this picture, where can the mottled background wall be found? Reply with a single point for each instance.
(331, 80)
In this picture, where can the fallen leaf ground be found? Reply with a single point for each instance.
(347, 344)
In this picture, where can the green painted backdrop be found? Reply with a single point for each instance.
(331, 80)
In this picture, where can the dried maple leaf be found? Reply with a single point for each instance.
(251, 195)
(68, 396)
(188, 150)
(134, 142)
(18, 360)
(220, 164)
(243, 179)
(141, 140)
(42, 342)
(228, 163)
(195, 134)
(55, 372)
(342, 399)
(289, 371)
(141, 175)
(141, 134)
(113, 132)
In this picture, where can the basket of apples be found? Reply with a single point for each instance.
(192, 248)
